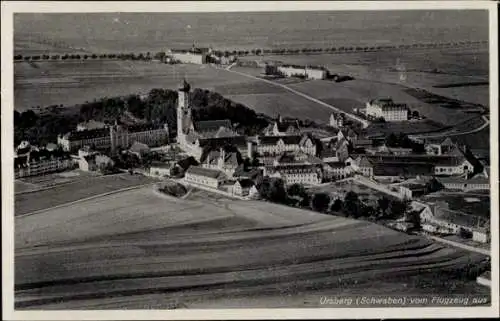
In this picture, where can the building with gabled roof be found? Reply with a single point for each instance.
(273, 145)
(463, 184)
(282, 128)
(242, 187)
(208, 128)
(204, 176)
(337, 120)
(307, 174)
(221, 160)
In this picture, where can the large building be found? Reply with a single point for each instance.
(276, 145)
(282, 127)
(309, 72)
(114, 137)
(221, 160)
(386, 108)
(196, 137)
(307, 174)
(191, 56)
(206, 177)
(41, 162)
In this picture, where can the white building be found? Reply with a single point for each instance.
(282, 128)
(387, 109)
(307, 174)
(242, 187)
(303, 71)
(159, 169)
(203, 176)
(337, 120)
(453, 166)
(192, 56)
(274, 145)
(466, 185)
(221, 160)
(25, 166)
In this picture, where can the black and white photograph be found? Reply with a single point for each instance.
(232, 156)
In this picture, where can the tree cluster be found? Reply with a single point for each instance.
(41, 129)
(402, 140)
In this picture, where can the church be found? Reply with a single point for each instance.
(194, 136)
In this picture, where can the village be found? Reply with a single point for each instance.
(426, 176)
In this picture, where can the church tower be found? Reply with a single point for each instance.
(183, 112)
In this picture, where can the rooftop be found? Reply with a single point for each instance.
(87, 134)
(387, 103)
(217, 142)
(211, 125)
(200, 171)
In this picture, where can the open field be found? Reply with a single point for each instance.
(43, 181)
(77, 189)
(414, 68)
(136, 249)
(355, 93)
(74, 82)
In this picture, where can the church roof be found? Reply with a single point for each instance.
(238, 141)
(211, 125)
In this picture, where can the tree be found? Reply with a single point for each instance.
(392, 140)
(296, 190)
(465, 234)
(383, 204)
(433, 186)
(175, 171)
(366, 211)
(414, 218)
(305, 202)
(415, 114)
(351, 204)
(336, 206)
(397, 208)
(272, 189)
(320, 202)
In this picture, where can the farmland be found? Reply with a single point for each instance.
(74, 82)
(415, 68)
(72, 190)
(137, 250)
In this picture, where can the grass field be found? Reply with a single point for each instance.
(74, 190)
(390, 73)
(136, 249)
(74, 82)
(422, 68)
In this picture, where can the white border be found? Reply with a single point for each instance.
(8, 8)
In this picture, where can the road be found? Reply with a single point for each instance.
(354, 117)
(450, 134)
(460, 245)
